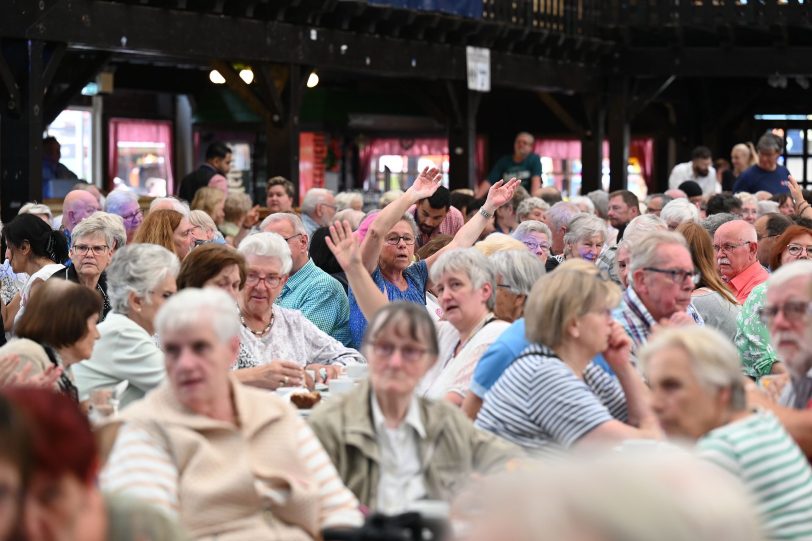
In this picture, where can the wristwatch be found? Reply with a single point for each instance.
(485, 213)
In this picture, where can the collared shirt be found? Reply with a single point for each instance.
(401, 480)
(321, 299)
(756, 352)
(743, 283)
(637, 321)
(685, 171)
(310, 224)
(452, 223)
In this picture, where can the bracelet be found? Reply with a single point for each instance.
(800, 208)
(485, 213)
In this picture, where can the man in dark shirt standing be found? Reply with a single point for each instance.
(218, 161)
(523, 164)
(766, 175)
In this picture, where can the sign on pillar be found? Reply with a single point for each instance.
(478, 60)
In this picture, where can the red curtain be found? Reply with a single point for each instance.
(127, 130)
(423, 146)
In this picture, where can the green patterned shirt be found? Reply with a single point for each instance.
(752, 337)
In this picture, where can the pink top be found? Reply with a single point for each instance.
(743, 283)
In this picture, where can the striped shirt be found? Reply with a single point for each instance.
(759, 451)
(540, 404)
(142, 468)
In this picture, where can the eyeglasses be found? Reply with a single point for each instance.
(410, 354)
(133, 216)
(254, 279)
(794, 311)
(83, 249)
(292, 237)
(536, 245)
(676, 275)
(729, 246)
(796, 249)
(394, 240)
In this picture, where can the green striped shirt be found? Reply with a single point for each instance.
(759, 451)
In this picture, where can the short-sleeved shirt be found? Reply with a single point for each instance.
(753, 338)
(525, 170)
(541, 405)
(416, 276)
(755, 179)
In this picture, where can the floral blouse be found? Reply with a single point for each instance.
(752, 337)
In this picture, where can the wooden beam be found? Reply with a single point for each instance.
(243, 90)
(561, 113)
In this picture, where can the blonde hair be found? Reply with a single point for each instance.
(206, 198)
(573, 290)
(498, 242)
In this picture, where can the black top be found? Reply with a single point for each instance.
(195, 180)
(69, 273)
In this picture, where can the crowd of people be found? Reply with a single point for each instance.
(533, 368)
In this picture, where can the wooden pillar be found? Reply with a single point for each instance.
(661, 168)
(462, 137)
(618, 133)
(282, 151)
(592, 145)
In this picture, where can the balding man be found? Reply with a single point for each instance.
(318, 209)
(735, 246)
(78, 205)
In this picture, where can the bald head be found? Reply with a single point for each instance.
(78, 205)
(676, 193)
(735, 246)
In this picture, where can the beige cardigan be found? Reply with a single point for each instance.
(219, 462)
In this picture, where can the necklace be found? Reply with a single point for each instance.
(263, 332)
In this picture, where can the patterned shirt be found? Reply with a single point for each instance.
(452, 223)
(540, 404)
(320, 298)
(752, 337)
(758, 450)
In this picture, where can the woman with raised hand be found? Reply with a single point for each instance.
(388, 248)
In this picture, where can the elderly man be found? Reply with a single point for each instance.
(78, 205)
(767, 174)
(522, 164)
(699, 169)
(218, 161)
(656, 202)
(318, 209)
(697, 393)
(232, 462)
(735, 246)
(435, 216)
(661, 279)
(623, 208)
(316, 294)
(124, 203)
(558, 218)
(768, 228)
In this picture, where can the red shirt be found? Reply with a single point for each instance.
(743, 283)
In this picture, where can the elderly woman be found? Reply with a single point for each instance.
(211, 201)
(679, 211)
(749, 207)
(532, 208)
(698, 395)
(585, 237)
(412, 448)
(167, 228)
(205, 230)
(56, 332)
(231, 462)
(757, 353)
(536, 236)
(140, 279)
(388, 248)
(214, 265)
(280, 342)
(575, 402)
(91, 249)
(124, 203)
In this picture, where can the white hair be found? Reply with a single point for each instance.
(746, 197)
(766, 207)
(519, 269)
(789, 272)
(117, 199)
(470, 262)
(678, 212)
(601, 201)
(138, 269)
(313, 198)
(355, 217)
(191, 307)
(388, 197)
(267, 245)
(561, 214)
(585, 226)
(201, 219)
(531, 226)
(108, 224)
(529, 205)
(176, 204)
(642, 225)
(644, 253)
(35, 208)
(584, 200)
(344, 200)
(294, 221)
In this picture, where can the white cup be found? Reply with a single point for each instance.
(357, 371)
(340, 385)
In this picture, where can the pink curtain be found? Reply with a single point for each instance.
(640, 149)
(127, 130)
(643, 150)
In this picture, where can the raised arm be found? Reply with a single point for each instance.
(499, 194)
(424, 186)
(802, 208)
(345, 248)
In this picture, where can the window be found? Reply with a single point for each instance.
(141, 155)
(72, 128)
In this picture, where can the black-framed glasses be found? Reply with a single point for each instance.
(132, 216)
(678, 276)
(729, 246)
(292, 237)
(394, 240)
(83, 249)
(794, 311)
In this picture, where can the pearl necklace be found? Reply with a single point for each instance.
(263, 332)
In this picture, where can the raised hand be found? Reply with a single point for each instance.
(8, 367)
(501, 192)
(344, 245)
(43, 380)
(426, 183)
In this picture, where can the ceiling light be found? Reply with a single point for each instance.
(247, 75)
(313, 79)
(216, 78)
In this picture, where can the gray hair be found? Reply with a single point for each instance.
(529, 205)
(666, 198)
(35, 208)
(768, 141)
(177, 204)
(642, 225)
(191, 307)
(519, 269)
(409, 218)
(561, 214)
(787, 273)
(344, 200)
(117, 199)
(355, 217)
(94, 224)
(388, 197)
(313, 198)
(766, 207)
(746, 197)
(679, 211)
(531, 226)
(586, 201)
(714, 360)
(601, 201)
(644, 253)
(200, 218)
(267, 245)
(138, 269)
(715, 221)
(472, 263)
(584, 226)
(113, 222)
(294, 221)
